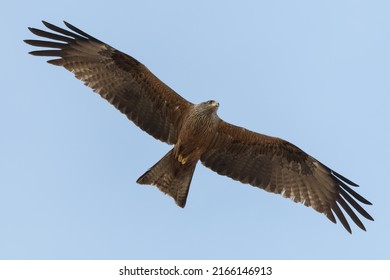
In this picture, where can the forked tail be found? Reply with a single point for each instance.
(171, 177)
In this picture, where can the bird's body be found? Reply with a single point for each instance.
(202, 120)
(196, 131)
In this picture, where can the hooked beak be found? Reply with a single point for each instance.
(214, 104)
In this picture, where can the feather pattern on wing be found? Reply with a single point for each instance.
(278, 166)
(119, 78)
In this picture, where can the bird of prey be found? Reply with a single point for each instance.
(196, 132)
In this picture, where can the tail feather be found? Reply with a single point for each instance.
(171, 177)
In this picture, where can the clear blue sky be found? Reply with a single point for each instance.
(315, 73)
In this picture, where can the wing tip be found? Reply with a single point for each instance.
(368, 202)
(56, 62)
(369, 217)
(48, 25)
(342, 178)
(66, 23)
(33, 30)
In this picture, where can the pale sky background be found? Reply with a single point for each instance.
(315, 73)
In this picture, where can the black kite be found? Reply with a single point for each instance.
(197, 132)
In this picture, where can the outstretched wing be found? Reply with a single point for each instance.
(280, 167)
(119, 78)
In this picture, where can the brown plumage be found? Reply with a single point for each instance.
(197, 132)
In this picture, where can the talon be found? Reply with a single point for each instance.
(182, 159)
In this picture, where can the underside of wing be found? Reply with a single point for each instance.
(117, 77)
(278, 166)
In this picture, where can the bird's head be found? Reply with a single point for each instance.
(210, 105)
(205, 112)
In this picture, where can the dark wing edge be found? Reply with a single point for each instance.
(280, 167)
(117, 77)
